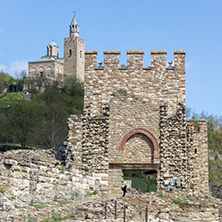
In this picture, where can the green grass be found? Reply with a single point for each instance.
(62, 201)
(93, 193)
(2, 191)
(54, 219)
(160, 194)
(86, 168)
(177, 201)
(38, 206)
(12, 198)
(143, 184)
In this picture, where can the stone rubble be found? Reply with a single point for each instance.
(161, 207)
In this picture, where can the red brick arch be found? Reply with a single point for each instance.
(142, 131)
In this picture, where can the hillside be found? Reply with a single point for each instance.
(39, 119)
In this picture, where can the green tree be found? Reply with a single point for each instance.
(5, 81)
(73, 87)
(54, 130)
(22, 119)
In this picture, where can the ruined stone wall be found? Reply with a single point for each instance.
(173, 148)
(95, 140)
(38, 171)
(115, 179)
(198, 156)
(75, 136)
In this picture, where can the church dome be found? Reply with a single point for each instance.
(52, 44)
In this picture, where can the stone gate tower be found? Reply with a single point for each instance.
(134, 119)
(74, 49)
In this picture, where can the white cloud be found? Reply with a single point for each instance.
(2, 67)
(18, 66)
(188, 65)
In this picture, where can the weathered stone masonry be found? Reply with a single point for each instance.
(134, 118)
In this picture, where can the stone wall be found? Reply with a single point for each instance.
(38, 171)
(198, 157)
(173, 147)
(75, 136)
(127, 113)
(136, 115)
(115, 183)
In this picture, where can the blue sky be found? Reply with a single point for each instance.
(28, 26)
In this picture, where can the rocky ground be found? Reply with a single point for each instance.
(162, 206)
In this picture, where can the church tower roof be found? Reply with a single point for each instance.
(74, 21)
(74, 27)
(52, 43)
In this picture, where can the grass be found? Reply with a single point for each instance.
(54, 219)
(2, 191)
(160, 194)
(12, 198)
(62, 201)
(143, 184)
(86, 168)
(38, 206)
(93, 193)
(177, 201)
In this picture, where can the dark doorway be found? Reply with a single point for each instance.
(143, 181)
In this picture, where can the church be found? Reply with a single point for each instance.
(51, 67)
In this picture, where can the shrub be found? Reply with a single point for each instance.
(2, 191)
(160, 194)
(177, 201)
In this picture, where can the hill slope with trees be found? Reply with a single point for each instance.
(42, 121)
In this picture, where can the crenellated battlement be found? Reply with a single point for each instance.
(202, 125)
(135, 59)
(72, 39)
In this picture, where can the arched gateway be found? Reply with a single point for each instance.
(139, 151)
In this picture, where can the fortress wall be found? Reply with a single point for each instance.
(173, 148)
(134, 94)
(37, 171)
(136, 114)
(199, 159)
(157, 82)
